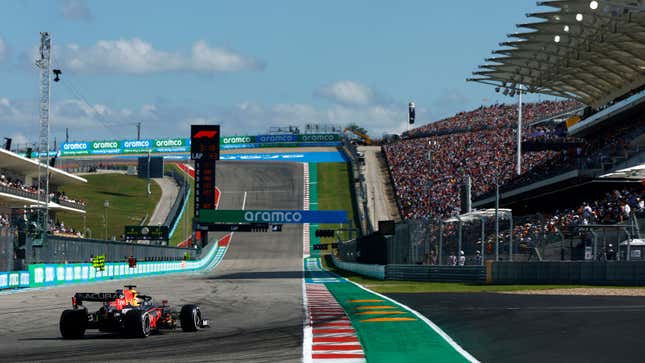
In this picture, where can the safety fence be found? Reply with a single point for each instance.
(39, 275)
(57, 249)
(7, 254)
(524, 238)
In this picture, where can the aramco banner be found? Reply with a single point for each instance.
(272, 216)
(181, 145)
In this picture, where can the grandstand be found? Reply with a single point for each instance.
(583, 158)
(19, 191)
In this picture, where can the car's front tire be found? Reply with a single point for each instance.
(190, 318)
(73, 323)
(137, 324)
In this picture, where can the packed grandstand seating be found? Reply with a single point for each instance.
(493, 117)
(481, 144)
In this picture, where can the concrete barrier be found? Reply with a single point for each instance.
(569, 272)
(373, 271)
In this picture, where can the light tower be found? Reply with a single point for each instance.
(44, 64)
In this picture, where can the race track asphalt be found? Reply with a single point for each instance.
(537, 328)
(253, 298)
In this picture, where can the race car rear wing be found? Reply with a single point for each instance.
(79, 297)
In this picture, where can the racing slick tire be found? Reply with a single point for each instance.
(137, 324)
(190, 318)
(73, 323)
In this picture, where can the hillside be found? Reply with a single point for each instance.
(128, 203)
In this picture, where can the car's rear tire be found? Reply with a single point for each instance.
(73, 323)
(190, 318)
(137, 324)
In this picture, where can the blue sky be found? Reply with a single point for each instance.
(247, 65)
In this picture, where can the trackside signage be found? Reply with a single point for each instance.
(272, 216)
(318, 137)
(276, 138)
(183, 144)
(230, 140)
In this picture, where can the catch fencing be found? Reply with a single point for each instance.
(58, 249)
(525, 238)
(7, 255)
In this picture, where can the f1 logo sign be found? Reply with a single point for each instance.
(204, 143)
(205, 134)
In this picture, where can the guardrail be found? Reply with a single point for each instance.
(475, 274)
(178, 204)
(561, 272)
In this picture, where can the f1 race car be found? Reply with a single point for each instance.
(128, 312)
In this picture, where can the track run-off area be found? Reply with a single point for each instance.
(265, 302)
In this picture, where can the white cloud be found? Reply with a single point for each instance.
(348, 93)
(75, 10)
(136, 56)
(165, 119)
(209, 59)
(4, 50)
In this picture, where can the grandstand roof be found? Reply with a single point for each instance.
(574, 51)
(23, 165)
(477, 215)
(17, 201)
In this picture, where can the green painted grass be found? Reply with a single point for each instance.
(128, 203)
(389, 286)
(185, 224)
(334, 193)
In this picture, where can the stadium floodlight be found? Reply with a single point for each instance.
(593, 5)
(579, 17)
(556, 39)
(566, 28)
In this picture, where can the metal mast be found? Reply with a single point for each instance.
(44, 63)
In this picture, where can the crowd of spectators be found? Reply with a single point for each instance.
(493, 117)
(59, 228)
(16, 184)
(430, 186)
(19, 185)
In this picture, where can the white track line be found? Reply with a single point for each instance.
(244, 201)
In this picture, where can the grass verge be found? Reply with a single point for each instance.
(126, 194)
(334, 192)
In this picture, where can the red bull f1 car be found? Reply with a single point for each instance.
(128, 312)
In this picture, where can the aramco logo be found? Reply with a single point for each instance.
(273, 216)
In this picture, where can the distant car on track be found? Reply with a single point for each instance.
(127, 312)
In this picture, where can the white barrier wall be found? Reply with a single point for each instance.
(373, 271)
